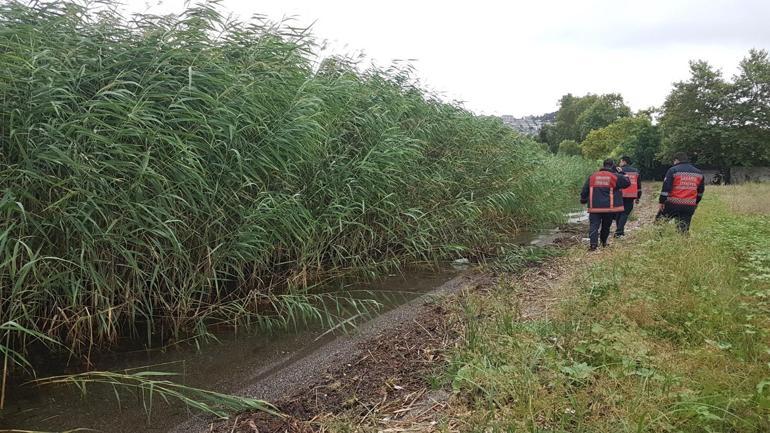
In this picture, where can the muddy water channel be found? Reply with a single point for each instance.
(223, 366)
(229, 365)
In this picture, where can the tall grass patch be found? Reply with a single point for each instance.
(162, 174)
(663, 334)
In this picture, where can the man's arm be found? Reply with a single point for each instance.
(584, 192)
(701, 190)
(668, 183)
(623, 181)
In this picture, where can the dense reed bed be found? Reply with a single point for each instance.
(162, 174)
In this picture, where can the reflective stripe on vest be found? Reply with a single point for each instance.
(633, 190)
(603, 180)
(684, 190)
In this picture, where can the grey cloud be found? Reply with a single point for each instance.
(744, 23)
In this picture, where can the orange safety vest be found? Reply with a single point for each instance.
(684, 189)
(603, 182)
(633, 190)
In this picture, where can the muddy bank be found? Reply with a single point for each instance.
(386, 374)
(383, 369)
(351, 370)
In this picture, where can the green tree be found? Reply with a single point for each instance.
(578, 115)
(748, 117)
(602, 143)
(570, 110)
(644, 149)
(693, 117)
(569, 147)
(602, 111)
(634, 136)
(549, 136)
(720, 123)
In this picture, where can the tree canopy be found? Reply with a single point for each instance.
(635, 137)
(720, 122)
(579, 115)
(569, 147)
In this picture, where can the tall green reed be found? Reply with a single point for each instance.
(159, 174)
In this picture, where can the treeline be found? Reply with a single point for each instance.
(720, 123)
(160, 174)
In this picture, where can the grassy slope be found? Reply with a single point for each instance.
(663, 334)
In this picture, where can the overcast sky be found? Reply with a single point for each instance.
(517, 57)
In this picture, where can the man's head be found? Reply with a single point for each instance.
(681, 157)
(608, 163)
(624, 161)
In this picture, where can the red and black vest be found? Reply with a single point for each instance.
(633, 176)
(604, 191)
(683, 185)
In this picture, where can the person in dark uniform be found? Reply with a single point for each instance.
(716, 179)
(682, 190)
(602, 193)
(631, 194)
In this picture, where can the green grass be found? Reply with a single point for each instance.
(160, 175)
(662, 334)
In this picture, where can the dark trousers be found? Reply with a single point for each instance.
(600, 224)
(681, 214)
(628, 207)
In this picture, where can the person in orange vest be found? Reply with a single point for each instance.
(630, 195)
(602, 193)
(682, 190)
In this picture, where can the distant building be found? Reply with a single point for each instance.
(529, 125)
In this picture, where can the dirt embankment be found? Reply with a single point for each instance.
(387, 376)
(379, 379)
(386, 384)
(378, 364)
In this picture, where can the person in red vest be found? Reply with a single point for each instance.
(630, 195)
(682, 190)
(602, 193)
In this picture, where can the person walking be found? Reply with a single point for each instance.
(631, 194)
(682, 190)
(602, 193)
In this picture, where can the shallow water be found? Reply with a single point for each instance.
(577, 217)
(223, 366)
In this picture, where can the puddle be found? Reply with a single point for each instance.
(541, 238)
(577, 217)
